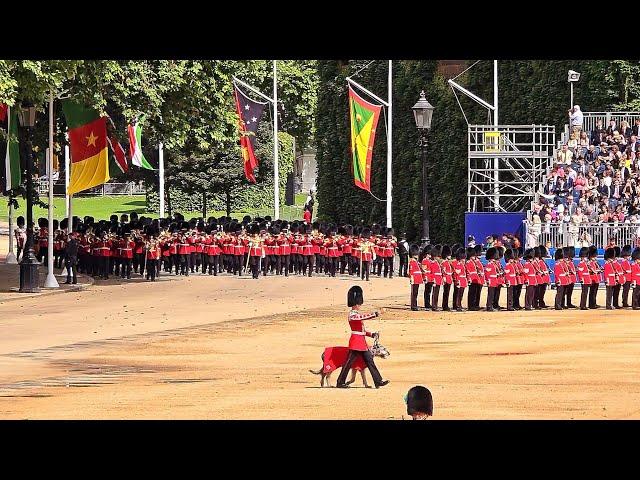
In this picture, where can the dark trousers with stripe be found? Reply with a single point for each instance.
(368, 360)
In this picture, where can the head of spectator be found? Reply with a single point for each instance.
(419, 403)
(612, 124)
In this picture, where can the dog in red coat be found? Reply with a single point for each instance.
(335, 357)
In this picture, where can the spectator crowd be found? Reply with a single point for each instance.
(595, 178)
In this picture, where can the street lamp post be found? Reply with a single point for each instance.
(29, 275)
(423, 113)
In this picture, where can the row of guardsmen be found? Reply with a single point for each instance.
(278, 248)
(452, 270)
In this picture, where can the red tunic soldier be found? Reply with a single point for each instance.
(460, 278)
(562, 278)
(428, 277)
(620, 278)
(125, 253)
(510, 277)
(530, 279)
(491, 278)
(610, 275)
(635, 279)
(584, 277)
(358, 347)
(436, 271)
(447, 276)
(626, 269)
(596, 277)
(415, 275)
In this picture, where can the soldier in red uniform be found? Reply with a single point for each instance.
(635, 279)
(517, 289)
(346, 242)
(569, 254)
(459, 278)
(256, 250)
(610, 275)
(436, 272)
(510, 277)
(125, 252)
(595, 272)
(389, 252)
(333, 251)
(283, 239)
(562, 278)
(626, 270)
(491, 278)
(500, 273)
(43, 240)
(473, 276)
(58, 245)
(358, 347)
(447, 276)
(530, 279)
(152, 254)
(543, 276)
(415, 275)
(584, 277)
(427, 275)
(620, 278)
(367, 254)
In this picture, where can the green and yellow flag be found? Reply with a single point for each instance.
(88, 142)
(364, 120)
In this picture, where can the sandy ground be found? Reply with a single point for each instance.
(236, 348)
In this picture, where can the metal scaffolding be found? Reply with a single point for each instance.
(506, 165)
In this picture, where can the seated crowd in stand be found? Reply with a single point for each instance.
(595, 177)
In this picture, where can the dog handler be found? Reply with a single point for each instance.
(357, 343)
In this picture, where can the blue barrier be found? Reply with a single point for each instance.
(482, 224)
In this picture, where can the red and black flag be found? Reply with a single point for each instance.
(249, 112)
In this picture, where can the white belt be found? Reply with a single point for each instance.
(357, 333)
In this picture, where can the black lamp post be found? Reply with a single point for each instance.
(29, 276)
(423, 112)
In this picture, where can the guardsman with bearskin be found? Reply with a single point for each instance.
(125, 252)
(152, 254)
(389, 252)
(501, 281)
(357, 344)
(510, 277)
(562, 278)
(333, 251)
(610, 275)
(459, 278)
(635, 278)
(58, 245)
(584, 277)
(491, 278)
(427, 274)
(596, 272)
(447, 276)
(569, 254)
(43, 240)
(71, 258)
(436, 271)
(367, 254)
(517, 289)
(473, 278)
(415, 275)
(256, 250)
(626, 270)
(620, 277)
(530, 279)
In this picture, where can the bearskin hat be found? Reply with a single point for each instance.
(414, 250)
(593, 252)
(246, 218)
(508, 254)
(626, 251)
(184, 226)
(565, 252)
(572, 252)
(543, 251)
(366, 233)
(55, 224)
(113, 218)
(536, 252)
(267, 218)
(341, 230)
(20, 221)
(636, 254)
(500, 252)
(559, 255)
(42, 222)
(478, 250)
(253, 229)
(355, 296)
(609, 253)
(617, 250)
(471, 252)
(419, 400)
(491, 253)
(348, 229)
(315, 225)
(64, 223)
(584, 252)
(275, 230)
(528, 254)
(445, 251)
(308, 228)
(436, 251)
(461, 253)
(390, 232)
(375, 229)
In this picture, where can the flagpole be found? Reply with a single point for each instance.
(161, 180)
(50, 281)
(276, 176)
(389, 146)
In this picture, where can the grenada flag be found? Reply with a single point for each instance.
(364, 120)
(88, 142)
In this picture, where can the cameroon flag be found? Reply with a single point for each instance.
(88, 142)
(364, 120)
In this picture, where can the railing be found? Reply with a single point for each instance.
(589, 119)
(129, 188)
(565, 234)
